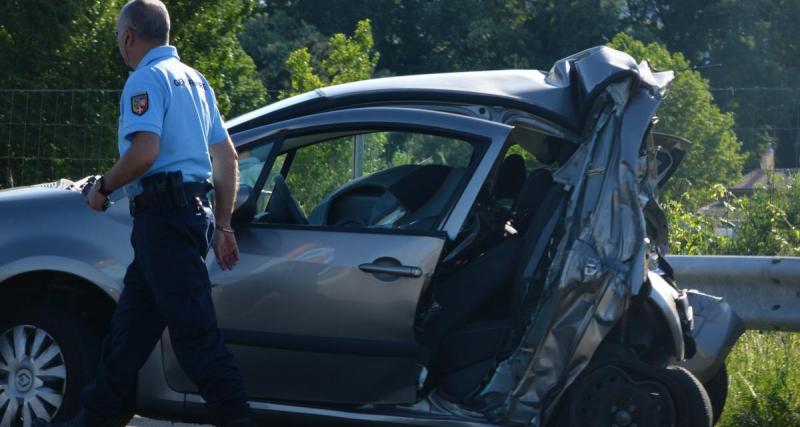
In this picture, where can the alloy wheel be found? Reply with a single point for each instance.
(33, 376)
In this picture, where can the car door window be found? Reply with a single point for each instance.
(384, 179)
(318, 169)
(251, 162)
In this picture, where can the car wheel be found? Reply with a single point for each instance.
(635, 394)
(610, 395)
(46, 357)
(691, 400)
(717, 389)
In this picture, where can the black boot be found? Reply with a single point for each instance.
(83, 419)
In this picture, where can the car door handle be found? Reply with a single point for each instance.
(394, 270)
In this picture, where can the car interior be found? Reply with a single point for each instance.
(476, 307)
(409, 196)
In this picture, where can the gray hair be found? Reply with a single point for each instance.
(149, 19)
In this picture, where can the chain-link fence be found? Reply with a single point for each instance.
(51, 134)
(48, 134)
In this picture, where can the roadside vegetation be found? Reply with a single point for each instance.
(763, 367)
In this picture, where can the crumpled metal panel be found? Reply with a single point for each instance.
(563, 95)
(599, 261)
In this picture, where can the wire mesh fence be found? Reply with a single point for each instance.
(50, 134)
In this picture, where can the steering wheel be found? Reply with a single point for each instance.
(350, 222)
(282, 207)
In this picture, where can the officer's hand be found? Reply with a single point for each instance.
(225, 249)
(95, 200)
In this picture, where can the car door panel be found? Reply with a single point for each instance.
(323, 314)
(319, 311)
(314, 275)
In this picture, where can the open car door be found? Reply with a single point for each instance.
(322, 305)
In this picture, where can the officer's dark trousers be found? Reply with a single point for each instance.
(167, 285)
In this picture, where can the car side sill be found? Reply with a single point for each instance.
(343, 415)
(331, 345)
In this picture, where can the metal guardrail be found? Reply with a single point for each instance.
(763, 291)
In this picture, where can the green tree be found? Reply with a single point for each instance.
(321, 168)
(689, 111)
(270, 37)
(346, 59)
(206, 34)
(58, 45)
(424, 36)
(71, 44)
(736, 43)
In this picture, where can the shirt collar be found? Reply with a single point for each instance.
(158, 53)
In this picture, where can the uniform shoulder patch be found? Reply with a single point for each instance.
(139, 104)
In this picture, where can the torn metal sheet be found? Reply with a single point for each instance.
(599, 261)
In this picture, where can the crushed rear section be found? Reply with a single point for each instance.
(587, 255)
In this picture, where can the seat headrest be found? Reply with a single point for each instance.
(534, 191)
(557, 151)
(510, 178)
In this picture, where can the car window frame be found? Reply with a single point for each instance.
(489, 139)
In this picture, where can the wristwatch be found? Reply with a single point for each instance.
(101, 187)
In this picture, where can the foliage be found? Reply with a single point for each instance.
(303, 77)
(269, 38)
(736, 43)
(423, 36)
(691, 233)
(205, 33)
(351, 59)
(346, 59)
(689, 111)
(71, 45)
(764, 379)
(762, 224)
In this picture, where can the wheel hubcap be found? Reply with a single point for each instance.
(24, 380)
(33, 376)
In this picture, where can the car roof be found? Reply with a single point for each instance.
(563, 95)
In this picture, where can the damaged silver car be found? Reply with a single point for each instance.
(481, 248)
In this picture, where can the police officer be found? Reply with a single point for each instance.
(169, 126)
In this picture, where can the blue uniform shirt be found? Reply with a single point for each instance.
(168, 98)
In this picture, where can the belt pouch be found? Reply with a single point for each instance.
(176, 189)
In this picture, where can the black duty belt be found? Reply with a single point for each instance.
(170, 198)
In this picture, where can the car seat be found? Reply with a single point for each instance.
(475, 318)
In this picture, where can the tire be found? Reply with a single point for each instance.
(691, 400)
(626, 392)
(717, 389)
(47, 356)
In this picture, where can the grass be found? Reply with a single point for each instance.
(764, 370)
